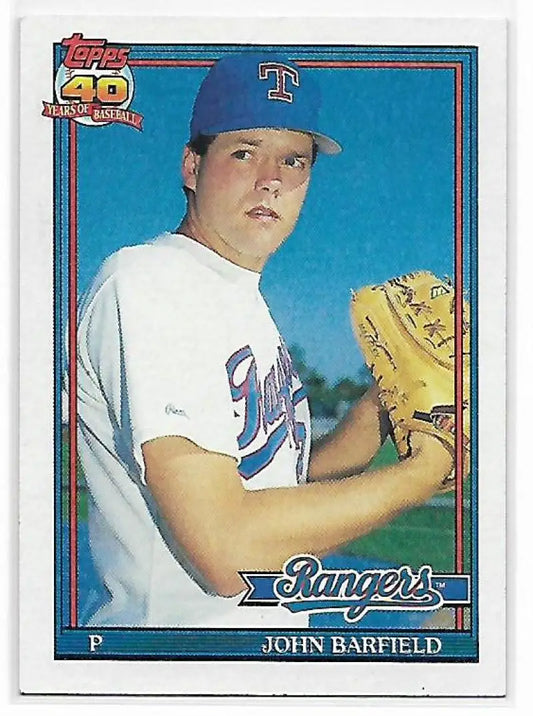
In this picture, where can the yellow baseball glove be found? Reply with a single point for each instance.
(405, 328)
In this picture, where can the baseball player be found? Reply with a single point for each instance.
(194, 429)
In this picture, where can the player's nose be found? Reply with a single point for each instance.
(268, 177)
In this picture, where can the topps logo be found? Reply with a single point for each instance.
(93, 84)
(83, 54)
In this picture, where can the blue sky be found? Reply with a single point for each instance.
(381, 208)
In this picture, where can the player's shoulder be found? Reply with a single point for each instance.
(167, 255)
(162, 265)
(155, 254)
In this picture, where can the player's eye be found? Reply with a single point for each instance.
(295, 162)
(241, 154)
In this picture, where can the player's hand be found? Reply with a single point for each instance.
(434, 459)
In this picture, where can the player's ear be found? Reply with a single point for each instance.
(190, 164)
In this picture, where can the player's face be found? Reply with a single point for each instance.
(248, 192)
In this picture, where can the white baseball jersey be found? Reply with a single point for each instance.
(173, 339)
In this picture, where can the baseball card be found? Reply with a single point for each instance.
(263, 267)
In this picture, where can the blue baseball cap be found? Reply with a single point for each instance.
(252, 91)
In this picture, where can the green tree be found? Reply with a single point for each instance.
(328, 401)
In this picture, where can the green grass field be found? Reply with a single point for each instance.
(425, 535)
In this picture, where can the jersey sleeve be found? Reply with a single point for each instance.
(157, 351)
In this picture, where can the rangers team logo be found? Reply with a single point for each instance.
(305, 585)
(93, 85)
(283, 74)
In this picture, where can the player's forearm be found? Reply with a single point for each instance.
(349, 448)
(274, 524)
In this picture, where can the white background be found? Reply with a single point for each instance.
(519, 356)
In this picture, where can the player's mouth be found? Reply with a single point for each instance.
(263, 214)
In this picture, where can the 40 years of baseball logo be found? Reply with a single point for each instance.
(324, 516)
(93, 85)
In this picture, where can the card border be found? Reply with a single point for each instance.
(38, 673)
(462, 61)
